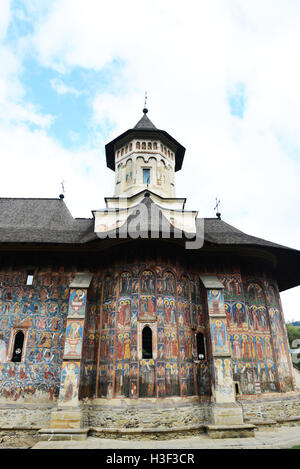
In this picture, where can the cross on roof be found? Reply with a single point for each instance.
(217, 208)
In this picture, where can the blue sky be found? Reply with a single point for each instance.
(222, 77)
(67, 95)
(237, 100)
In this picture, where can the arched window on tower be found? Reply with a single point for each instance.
(147, 352)
(200, 346)
(18, 347)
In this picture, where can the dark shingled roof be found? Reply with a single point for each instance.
(48, 221)
(41, 221)
(219, 232)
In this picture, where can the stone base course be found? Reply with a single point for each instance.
(230, 431)
(271, 408)
(147, 419)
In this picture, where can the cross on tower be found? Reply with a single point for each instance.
(145, 110)
(62, 195)
(217, 209)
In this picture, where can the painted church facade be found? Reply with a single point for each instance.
(100, 331)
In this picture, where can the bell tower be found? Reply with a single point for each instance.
(144, 158)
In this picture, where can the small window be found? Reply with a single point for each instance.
(138, 145)
(200, 347)
(29, 277)
(237, 388)
(146, 176)
(149, 146)
(18, 347)
(147, 343)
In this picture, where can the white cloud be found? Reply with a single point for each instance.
(61, 88)
(187, 56)
(5, 17)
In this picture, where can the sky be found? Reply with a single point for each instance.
(222, 78)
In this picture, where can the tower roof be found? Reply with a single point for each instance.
(144, 129)
(145, 123)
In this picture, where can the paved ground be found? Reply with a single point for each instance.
(285, 437)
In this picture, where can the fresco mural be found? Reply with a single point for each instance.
(254, 324)
(42, 310)
(223, 373)
(77, 303)
(69, 382)
(73, 341)
(117, 305)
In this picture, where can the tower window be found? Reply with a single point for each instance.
(146, 176)
(200, 346)
(18, 347)
(147, 343)
(29, 277)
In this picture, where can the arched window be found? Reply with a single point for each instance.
(18, 347)
(146, 176)
(200, 346)
(138, 145)
(147, 343)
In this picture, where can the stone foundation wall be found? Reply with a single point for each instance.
(25, 416)
(272, 409)
(19, 424)
(147, 416)
(158, 420)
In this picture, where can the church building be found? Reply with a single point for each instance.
(144, 319)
